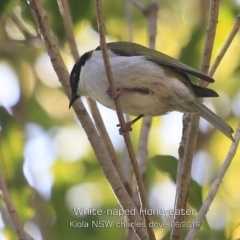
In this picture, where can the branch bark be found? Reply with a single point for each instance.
(96, 142)
(216, 184)
(68, 24)
(12, 211)
(187, 148)
(213, 191)
(123, 125)
(226, 45)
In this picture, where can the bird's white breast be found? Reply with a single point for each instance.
(166, 93)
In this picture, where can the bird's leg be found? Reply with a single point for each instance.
(119, 91)
(128, 125)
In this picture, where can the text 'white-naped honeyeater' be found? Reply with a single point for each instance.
(148, 82)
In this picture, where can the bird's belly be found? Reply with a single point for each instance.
(146, 104)
(136, 104)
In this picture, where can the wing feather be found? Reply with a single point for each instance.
(133, 49)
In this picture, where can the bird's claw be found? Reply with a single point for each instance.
(126, 129)
(115, 96)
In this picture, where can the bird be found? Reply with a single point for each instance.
(148, 83)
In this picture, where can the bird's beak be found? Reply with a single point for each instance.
(73, 99)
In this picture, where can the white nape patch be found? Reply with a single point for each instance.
(136, 73)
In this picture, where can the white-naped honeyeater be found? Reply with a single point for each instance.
(148, 83)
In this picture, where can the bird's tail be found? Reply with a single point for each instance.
(211, 117)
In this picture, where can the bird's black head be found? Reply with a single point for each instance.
(75, 76)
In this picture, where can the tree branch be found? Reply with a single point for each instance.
(213, 191)
(68, 24)
(123, 125)
(187, 151)
(141, 7)
(11, 209)
(95, 140)
(226, 45)
(216, 184)
(147, 121)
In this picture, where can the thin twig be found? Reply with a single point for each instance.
(96, 142)
(108, 143)
(185, 164)
(203, 211)
(147, 121)
(226, 45)
(210, 37)
(151, 12)
(68, 24)
(142, 153)
(21, 27)
(216, 184)
(11, 209)
(138, 5)
(128, 16)
(108, 67)
(125, 161)
(8, 221)
(123, 125)
(29, 38)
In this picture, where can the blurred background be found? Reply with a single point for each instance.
(45, 156)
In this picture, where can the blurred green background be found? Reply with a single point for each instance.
(45, 156)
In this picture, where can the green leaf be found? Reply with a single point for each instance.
(166, 163)
(195, 195)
